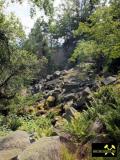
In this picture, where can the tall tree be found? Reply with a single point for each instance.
(17, 66)
(101, 37)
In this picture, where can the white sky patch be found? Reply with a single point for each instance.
(22, 11)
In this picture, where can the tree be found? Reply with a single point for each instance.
(17, 66)
(100, 37)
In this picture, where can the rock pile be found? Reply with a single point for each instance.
(71, 88)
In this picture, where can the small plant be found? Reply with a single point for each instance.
(77, 127)
(42, 126)
(66, 155)
(14, 123)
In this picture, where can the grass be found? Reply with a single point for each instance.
(40, 125)
(66, 155)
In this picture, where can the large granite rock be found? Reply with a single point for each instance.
(47, 148)
(70, 86)
(13, 144)
(18, 139)
(9, 154)
(109, 80)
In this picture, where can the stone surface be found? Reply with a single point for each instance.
(47, 148)
(86, 91)
(109, 80)
(97, 127)
(79, 104)
(17, 139)
(49, 77)
(57, 74)
(68, 97)
(101, 138)
(13, 144)
(9, 154)
(71, 85)
(70, 112)
(41, 112)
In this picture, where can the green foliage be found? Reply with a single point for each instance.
(13, 122)
(21, 102)
(77, 127)
(3, 127)
(65, 154)
(17, 66)
(105, 105)
(42, 126)
(84, 50)
(100, 36)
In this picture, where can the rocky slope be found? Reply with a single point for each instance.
(65, 94)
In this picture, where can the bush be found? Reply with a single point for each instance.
(105, 105)
(3, 129)
(77, 127)
(20, 102)
(42, 126)
(14, 123)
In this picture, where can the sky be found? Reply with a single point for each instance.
(22, 11)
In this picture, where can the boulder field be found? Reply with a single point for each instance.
(66, 94)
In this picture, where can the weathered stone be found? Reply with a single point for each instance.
(109, 80)
(68, 97)
(49, 77)
(96, 85)
(54, 92)
(61, 123)
(17, 139)
(9, 154)
(86, 91)
(52, 82)
(70, 112)
(101, 138)
(97, 127)
(13, 144)
(37, 88)
(64, 72)
(45, 149)
(72, 85)
(80, 103)
(40, 105)
(57, 74)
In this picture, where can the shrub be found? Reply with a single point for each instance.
(14, 123)
(42, 126)
(77, 127)
(105, 105)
